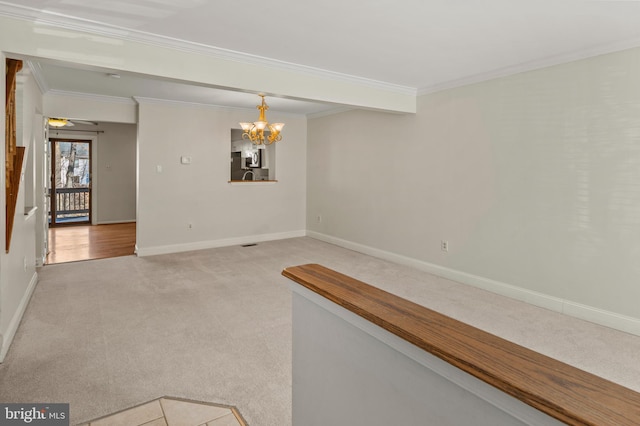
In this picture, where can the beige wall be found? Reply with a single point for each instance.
(18, 267)
(116, 170)
(533, 179)
(199, 194)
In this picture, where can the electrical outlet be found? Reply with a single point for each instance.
(189, 225)
(318, 218)
(444, 245)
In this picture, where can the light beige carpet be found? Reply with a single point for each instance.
(215, 326)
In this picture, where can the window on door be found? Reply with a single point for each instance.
(70, 182)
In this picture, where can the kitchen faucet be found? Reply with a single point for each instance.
(246, 173)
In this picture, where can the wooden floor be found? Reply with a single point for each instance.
(84, 242)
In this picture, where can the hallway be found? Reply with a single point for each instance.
(74, 243)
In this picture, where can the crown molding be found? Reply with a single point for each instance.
(36, 72)
(157, 101)
(78, 24)
(531, 66)
(92, 97)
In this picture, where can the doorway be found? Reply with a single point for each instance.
(70, 201)
(74, 243)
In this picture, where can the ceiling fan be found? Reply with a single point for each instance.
(66, 122)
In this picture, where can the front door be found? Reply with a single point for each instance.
(70, 201)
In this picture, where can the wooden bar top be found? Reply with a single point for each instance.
(566, 393)
(251, 181)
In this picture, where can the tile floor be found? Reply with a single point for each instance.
(173, 412)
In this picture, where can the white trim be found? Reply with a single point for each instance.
(225, 242)
(93, 97)
(144, 100)
(600, 316)
(114, 222)
(607, 318)
(77, 24)
(17, 317)
(252, 182)
(36, 72)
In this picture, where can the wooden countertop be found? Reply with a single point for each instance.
(251, 181)
(566, 393)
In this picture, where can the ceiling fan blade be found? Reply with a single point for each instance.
(90, 123)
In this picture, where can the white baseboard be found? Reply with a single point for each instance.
(112, 222)
(201, 245)
(609, 319)
(17, 317)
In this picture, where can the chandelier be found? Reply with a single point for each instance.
(255, 131)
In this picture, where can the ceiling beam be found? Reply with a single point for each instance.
(119, 52)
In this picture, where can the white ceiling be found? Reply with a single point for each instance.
(419, 45)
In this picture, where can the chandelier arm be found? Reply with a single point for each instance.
(255, 133)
